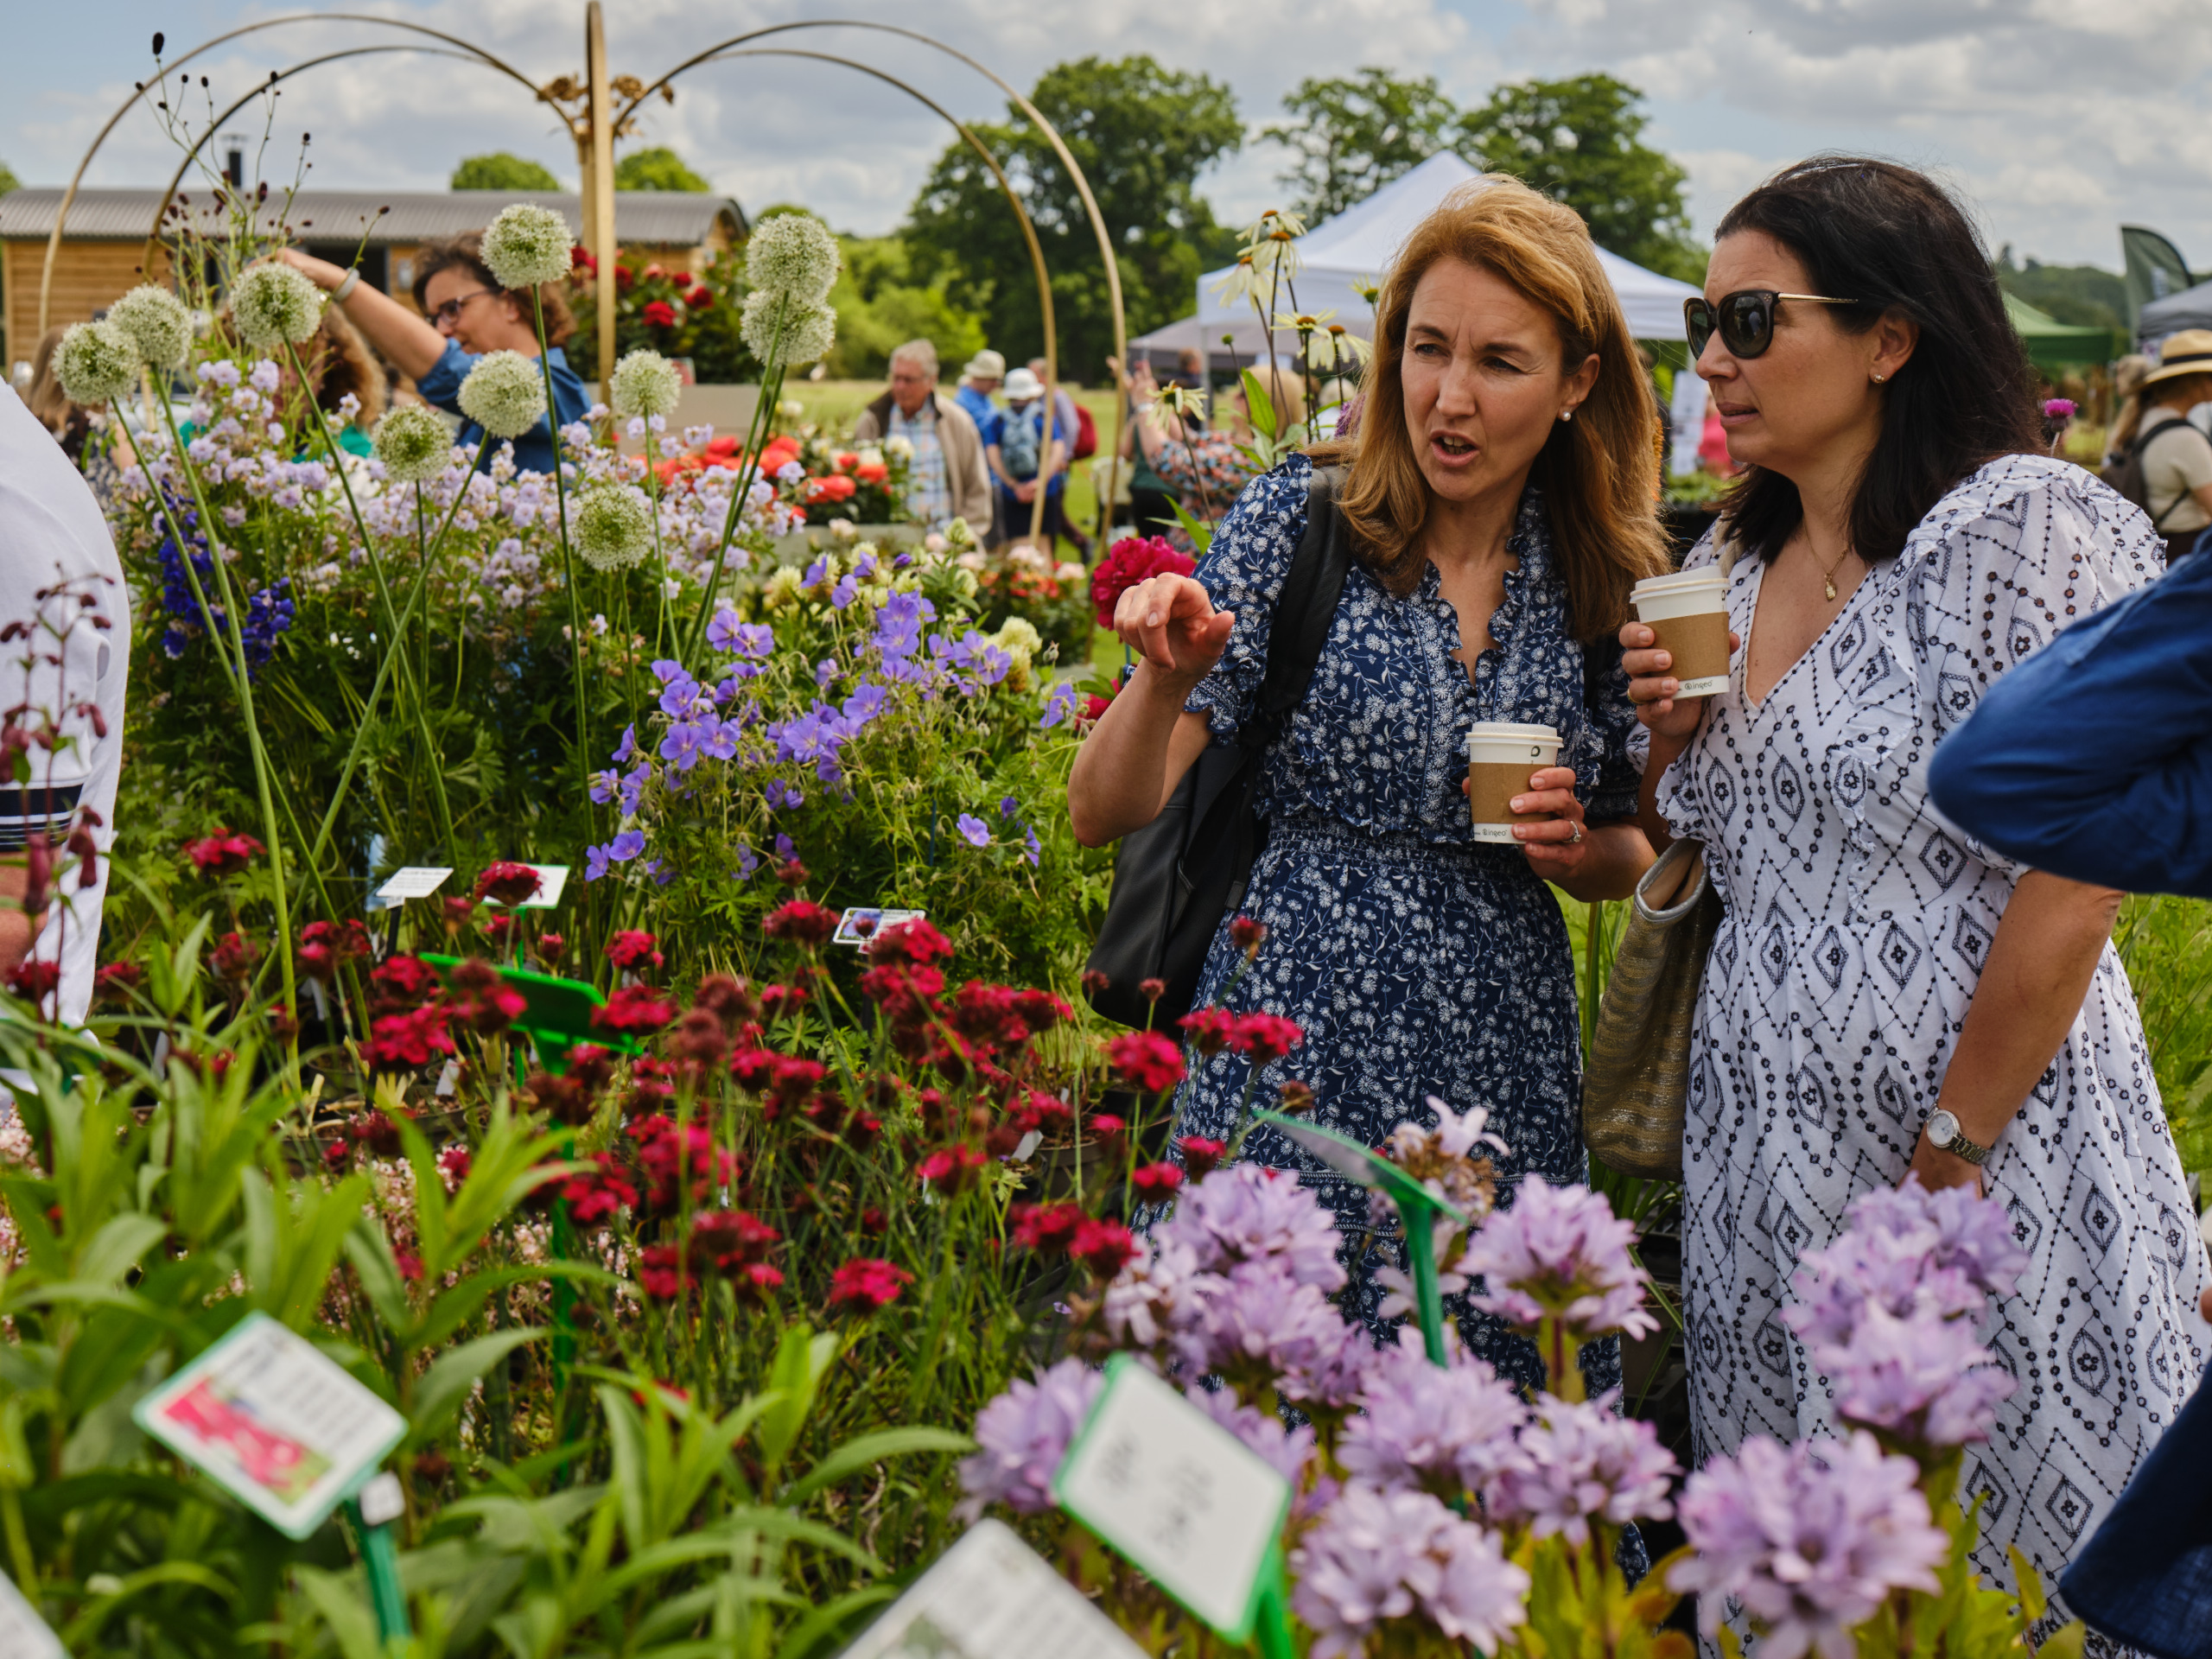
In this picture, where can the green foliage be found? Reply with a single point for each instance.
(2085, 295)
(881, 307)
(2166, 943)
(1142, 134)
(502, 171)
(700, 319)
(1355, 134)
(658, 169)
(1580, 140)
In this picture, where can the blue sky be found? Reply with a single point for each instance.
(2058, 118)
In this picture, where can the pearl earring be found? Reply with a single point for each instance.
(1878, 379)
(1567, 414)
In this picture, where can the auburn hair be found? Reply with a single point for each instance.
(466, 252)
(1599, 473)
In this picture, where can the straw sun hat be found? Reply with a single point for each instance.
(2188, 352)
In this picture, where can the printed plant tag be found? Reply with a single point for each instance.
(861, 923)
(268, 1416)
(415, 881)
(551, 880)
(24, 1634)
(1190, 1504)
(991, 1596)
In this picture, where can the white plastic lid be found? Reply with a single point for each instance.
(1495, 729)
(1677, 580)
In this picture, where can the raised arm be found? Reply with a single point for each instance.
(404, 338)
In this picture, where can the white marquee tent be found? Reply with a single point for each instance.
(1358, 244)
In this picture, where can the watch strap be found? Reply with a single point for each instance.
(1961, 1147)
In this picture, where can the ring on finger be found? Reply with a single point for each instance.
(1575, 839)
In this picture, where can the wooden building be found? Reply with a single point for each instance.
(103, 243)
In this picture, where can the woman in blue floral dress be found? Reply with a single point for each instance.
(1499, 500)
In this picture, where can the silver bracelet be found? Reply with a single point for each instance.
(352, 280)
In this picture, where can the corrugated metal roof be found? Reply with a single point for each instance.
(648, 217)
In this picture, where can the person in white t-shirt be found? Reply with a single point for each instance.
(2176, 455)
(52, 535)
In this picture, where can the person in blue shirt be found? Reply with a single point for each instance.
(468, 315)
(2093, 759)
(977, 382)
(1023, 459)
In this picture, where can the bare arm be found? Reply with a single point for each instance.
(19, 929)
(1144, 742)
(1651, 688)
(403, 337)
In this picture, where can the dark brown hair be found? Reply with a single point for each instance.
(1894, 240)
(466, 252)
(337, 361)
(1599, 473)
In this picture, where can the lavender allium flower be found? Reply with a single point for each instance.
(527, 246)
(1559, 1251)
(156, 323)
(504, 394)
(412, 442)
(1441, 1429)
(1337, 1375)
(1285, 1451)
(1246, 1212)
(1022, 1435)
(1141, 1301)
(1380, 1555)
(1810, 1538)
(645, 383)
(274, 304)
(97, 363)
(1580, 1461)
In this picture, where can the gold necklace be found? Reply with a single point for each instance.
(1828, 576)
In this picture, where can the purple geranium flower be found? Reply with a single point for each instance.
(634, 786)
(748, 862)
(594, 863)
(825, 672)
(786, 849)
(865, 704)
(1021, 1436)
(1007, 806)
(973, 830)
(603, 786)
(1035, 849)
(1559, 1251)
(628, 747)
(841, 594)
(681, 747)
(1058, 706)
(626, 846)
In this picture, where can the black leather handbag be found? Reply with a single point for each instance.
(1175, 879)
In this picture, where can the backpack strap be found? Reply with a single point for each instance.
(2142, 444)
(1304, 610)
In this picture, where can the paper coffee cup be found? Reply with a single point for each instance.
(1501, 756)
(1690, 612)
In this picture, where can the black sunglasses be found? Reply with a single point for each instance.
(1744, 319)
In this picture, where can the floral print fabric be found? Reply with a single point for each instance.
(1857, 922)
(1418, 961)
(1206, 472)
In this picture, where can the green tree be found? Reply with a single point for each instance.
(1353, 136)
(1142, 134)
(658, 169)
(501, 171)
(2085, 296)
(1580, 140)
(881, 307)
(8, 179)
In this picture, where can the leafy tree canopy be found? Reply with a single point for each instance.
(1142, 134)
(8, 179)
(881, 307)
(1580, 141)
(1352, 135)
(2085, 295)
(658, 169)
(501, 171)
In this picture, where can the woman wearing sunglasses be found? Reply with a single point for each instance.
(464, 315)
(1888, 997)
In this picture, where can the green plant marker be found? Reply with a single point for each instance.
(1418, 1208)
(374, 1508)
(1271, 1630)
(556, 1014)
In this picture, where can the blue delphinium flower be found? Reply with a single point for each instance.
(268, 613)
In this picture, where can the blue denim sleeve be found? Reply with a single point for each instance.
(440, 385)
(2093, 759)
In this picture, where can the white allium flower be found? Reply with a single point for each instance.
(413, 443)
(808, 330)
(97, 363)
(613, 526)
(275, 304)
(645, 384)
(1018, 634)
(527, 245)
(793, 254)
(504, 394)
(156, 322)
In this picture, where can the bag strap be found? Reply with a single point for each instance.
(2142, 444)
(1304, 610)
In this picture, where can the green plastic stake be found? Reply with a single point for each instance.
(1418, 1208)
(374, 1508)
(556, 1014)
(1271, 1629)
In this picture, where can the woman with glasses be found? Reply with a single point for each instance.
(468, 315)
(1888, 997)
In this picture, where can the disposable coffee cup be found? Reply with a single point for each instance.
(1690, 612)
(1501, 756)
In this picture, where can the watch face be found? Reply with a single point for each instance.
(1943, 1129)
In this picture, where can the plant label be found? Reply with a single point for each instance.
(551, 880)
(1190, 1504)
(862, 923)
(269, 1417)
(415, 881)
(991, 1596)
(24, 1634)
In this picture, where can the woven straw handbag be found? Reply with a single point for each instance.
(1636, 1092)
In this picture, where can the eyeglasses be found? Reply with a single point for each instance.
(1745, 318)
(449, 313)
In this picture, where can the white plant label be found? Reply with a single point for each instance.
(862, 923)
(267, 1415)
(24, 1634)
(415, 881)
(551, 880)
(991, 1596)
(1190, 1504)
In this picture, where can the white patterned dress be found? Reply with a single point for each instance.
(1857, 922)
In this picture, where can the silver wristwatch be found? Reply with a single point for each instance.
(1945, 1135)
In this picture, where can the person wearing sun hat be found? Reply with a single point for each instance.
(1026, 452)
(977, 382)
(2174, 455)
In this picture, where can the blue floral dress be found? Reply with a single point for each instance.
(1418, 961)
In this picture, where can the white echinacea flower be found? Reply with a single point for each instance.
(645, 383)
(504, 394)
(792, 254)
(275, 305)
(95, 363)
(413, 443)
(615, 526)
(156, 323)
(526, 246)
